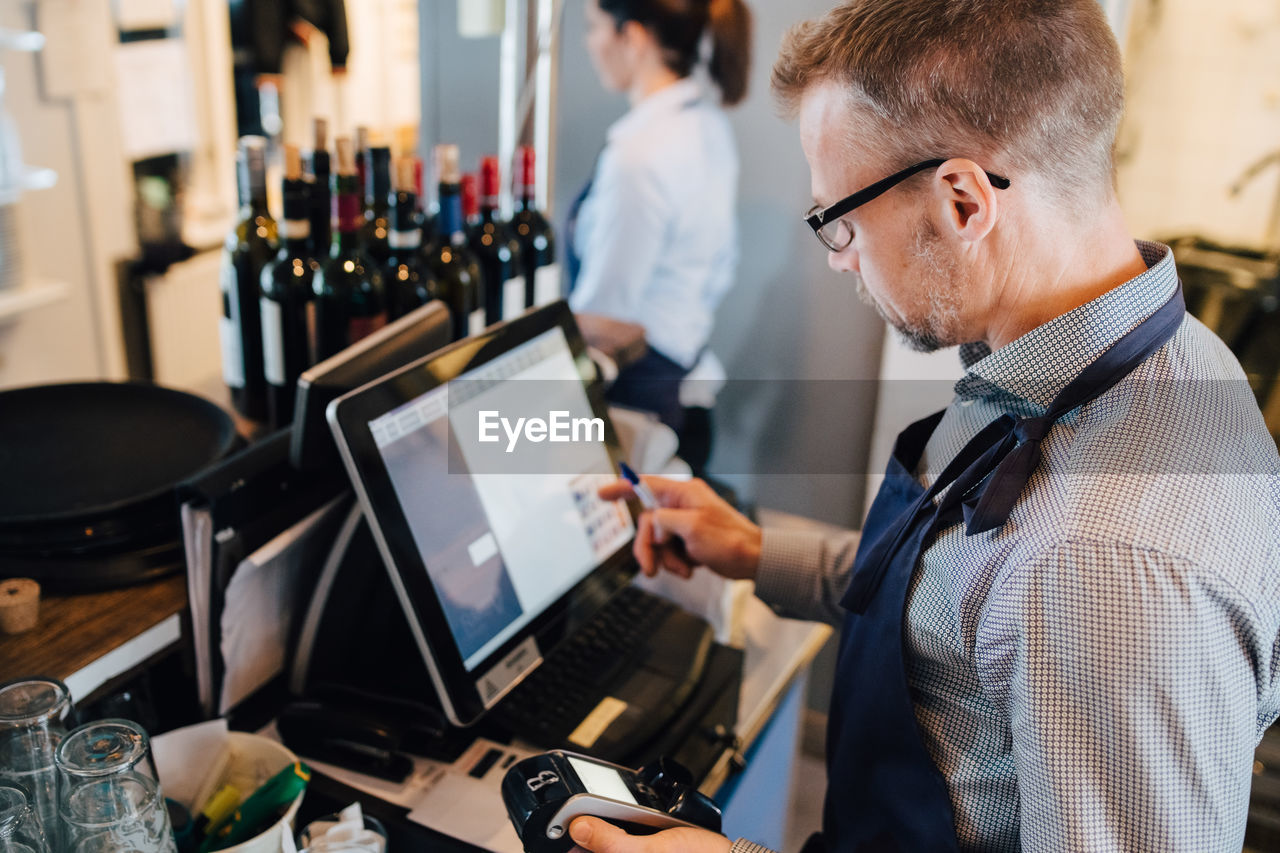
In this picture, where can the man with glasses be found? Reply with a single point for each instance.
(1061, 617)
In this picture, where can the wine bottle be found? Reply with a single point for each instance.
(321, 205)
(377, 213)
(286, 290)
(405, 278)
(348, 291)
(537, 239)
(247, 249)
(455, 274)
(362, 160)
(496, 248)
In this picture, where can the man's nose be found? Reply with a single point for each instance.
(845, 260)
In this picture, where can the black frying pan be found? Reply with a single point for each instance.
(90, 468)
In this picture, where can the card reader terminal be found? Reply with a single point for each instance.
(546, 792)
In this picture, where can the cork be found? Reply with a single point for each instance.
(406, 179)
(322, 134)
(346, 156)
(19, 605)
(447, 169)
(292, 163)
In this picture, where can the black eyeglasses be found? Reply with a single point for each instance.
(834, 231)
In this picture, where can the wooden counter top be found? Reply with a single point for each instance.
(77, 632)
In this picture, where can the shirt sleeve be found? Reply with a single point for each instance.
(1129, 680)
(626, 236)
(742, 845)
(804, 573)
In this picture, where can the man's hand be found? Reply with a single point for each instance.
(598, 836)
(713, 533)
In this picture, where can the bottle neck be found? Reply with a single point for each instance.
(349, 213)
(450, 218)
(296, 230)
(489, 209)
(406, 233)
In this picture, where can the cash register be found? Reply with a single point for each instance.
(483, 590)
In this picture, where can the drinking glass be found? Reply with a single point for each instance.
(33, 720)
(109, 795)
(20, 830)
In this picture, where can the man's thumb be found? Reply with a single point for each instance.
(595, 835)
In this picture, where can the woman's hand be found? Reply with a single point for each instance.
(711, 532)
(598, 836)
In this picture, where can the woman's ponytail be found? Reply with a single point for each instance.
(730, 25)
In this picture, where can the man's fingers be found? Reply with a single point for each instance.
(643, 545)
(675, 563)
(673, 522)
(671, 492)
(599, 836)
(616, 491)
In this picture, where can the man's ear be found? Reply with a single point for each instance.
(970, 204)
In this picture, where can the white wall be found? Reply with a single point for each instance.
(1203, 104)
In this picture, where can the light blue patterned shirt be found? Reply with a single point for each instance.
(1096, 674)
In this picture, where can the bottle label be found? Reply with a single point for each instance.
(232, 353)
(546, 284)
(272, 341)
(513, 297)
(405, 239)
(313, 347)
(229, 328)
(476, 324)
(362, 327)
(296, 229)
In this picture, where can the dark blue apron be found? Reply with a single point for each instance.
(884, 791)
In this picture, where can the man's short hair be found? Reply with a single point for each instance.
(1024, 86)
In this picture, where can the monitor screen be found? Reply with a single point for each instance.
(477, 469)
(500, 546)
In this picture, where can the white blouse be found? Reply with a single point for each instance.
(657, 233)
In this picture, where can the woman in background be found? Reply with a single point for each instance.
(652, 239)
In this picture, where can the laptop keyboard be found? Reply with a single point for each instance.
(640, 649)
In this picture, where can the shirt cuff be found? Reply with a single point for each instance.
(742, 845)
(789, 560)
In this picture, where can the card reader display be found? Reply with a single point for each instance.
(544, 794)
(500, 547)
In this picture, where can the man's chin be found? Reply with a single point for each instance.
(919, 341)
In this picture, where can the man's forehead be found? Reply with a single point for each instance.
(826, 123)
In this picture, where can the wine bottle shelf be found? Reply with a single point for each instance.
(25, 297)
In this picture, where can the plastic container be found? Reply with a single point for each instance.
(250, 760)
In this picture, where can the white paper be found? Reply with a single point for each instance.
(257, 613)
(197, 541)
(154, 93)
(446, 798)
(180, 753)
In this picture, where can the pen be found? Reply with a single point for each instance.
(648, 501)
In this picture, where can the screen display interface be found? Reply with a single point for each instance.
(602, 781)
(500, 547)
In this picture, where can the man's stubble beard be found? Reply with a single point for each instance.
(938, 328)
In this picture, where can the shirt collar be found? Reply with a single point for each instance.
(1036, 366)
(668, 99)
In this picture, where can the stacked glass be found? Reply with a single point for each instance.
(33, 721)
(110, 796)
(20, 830)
